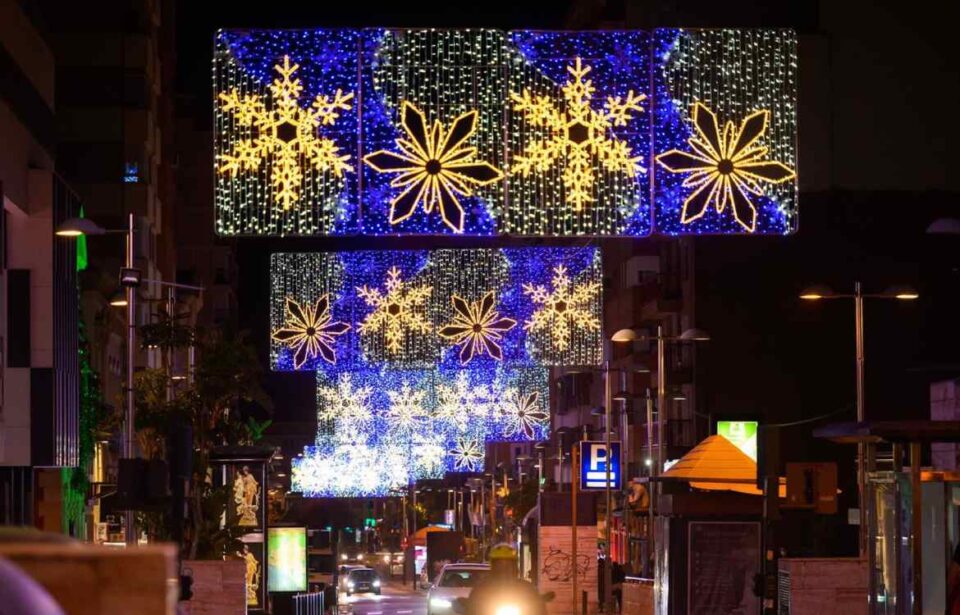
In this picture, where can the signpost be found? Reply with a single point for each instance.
(593, 465)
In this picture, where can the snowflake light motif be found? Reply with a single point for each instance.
(428, 456)
(477, 328)
(563, 309)
(578, 135)
(434, 166)
(468, 454)
(459, 401)
(397, 310)
(407, 411)
(284, 134)
(309, 331)
(522, 414)
(349, 406)
(725, 167)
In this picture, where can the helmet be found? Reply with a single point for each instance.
(502, 551)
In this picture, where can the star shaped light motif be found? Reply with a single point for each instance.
(522, 414)
(468, 454)
(397, 310)
(577, 136)
(565, 308)
(725, 168)
(434, 167)
(349, 406)
(283, 134)
(407, 412)
(309, 331)
(477, 328)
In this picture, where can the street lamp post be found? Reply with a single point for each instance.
(129, 279)
(818, 293)
(629, 336)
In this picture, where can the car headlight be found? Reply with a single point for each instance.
(376, 582)
(386, 559)
(440, 603)
(349, 584)
(360, 557)
(507, 609)
(343, 557)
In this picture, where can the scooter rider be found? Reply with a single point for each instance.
(501, 592)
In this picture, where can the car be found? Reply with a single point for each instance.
(362, 580)
(454, 581)
(343, 575)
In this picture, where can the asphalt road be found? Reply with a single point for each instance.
(395, 599)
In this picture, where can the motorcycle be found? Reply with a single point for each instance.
(505, 604)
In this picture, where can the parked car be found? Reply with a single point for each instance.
(454, 581)
(362, 580)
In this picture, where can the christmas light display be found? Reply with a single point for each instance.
(381, 429)
(484, 133)
(741, 178)
(286, 129)
(429, 308)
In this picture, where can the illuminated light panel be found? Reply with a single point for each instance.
(726, 168)
(456, 78)
(283, 135)
(397, 312)
(310, 331)
(748, 80)
(477, 328)
(554, 130)
(381, 429)
(285, 132)
(450, 292)
(563, 309)
(435, 167)
(579, 137)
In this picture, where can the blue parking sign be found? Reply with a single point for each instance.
(593, 465)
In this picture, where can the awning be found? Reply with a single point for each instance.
(716, 464)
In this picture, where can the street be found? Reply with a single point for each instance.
(396, 599)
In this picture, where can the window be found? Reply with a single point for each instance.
(461, 578)
(131, 173)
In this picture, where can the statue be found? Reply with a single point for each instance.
(252, 576)
(246, 495)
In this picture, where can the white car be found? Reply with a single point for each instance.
(454, 581)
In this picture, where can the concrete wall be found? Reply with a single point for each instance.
(944, 406)
(91, 580)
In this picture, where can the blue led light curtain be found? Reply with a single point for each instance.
(483, 132)
(334, 311)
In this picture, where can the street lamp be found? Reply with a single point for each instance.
(901, 293)
(624, 336)
(77, 227)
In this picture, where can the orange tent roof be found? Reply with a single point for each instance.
(716, 464)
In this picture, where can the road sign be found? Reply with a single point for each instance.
(593, 465)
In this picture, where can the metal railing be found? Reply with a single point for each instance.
(308, 604)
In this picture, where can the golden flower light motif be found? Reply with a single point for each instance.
(309, 331)
(397, 310)
(726, 167)
(468, 455)
(434, 167)
(523, 414)
(577, 136)
(563, 309)
(477, 328)
(284, 134)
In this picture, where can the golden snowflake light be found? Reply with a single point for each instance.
(435, 167)
(578, 136)
(477, 328)
(523, 415)
(725, 167)
(284, 135)
(467, 455)
(398, 310)
(309, 331)
(564, 308)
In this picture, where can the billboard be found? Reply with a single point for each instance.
(743, 435)
(287, 559)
